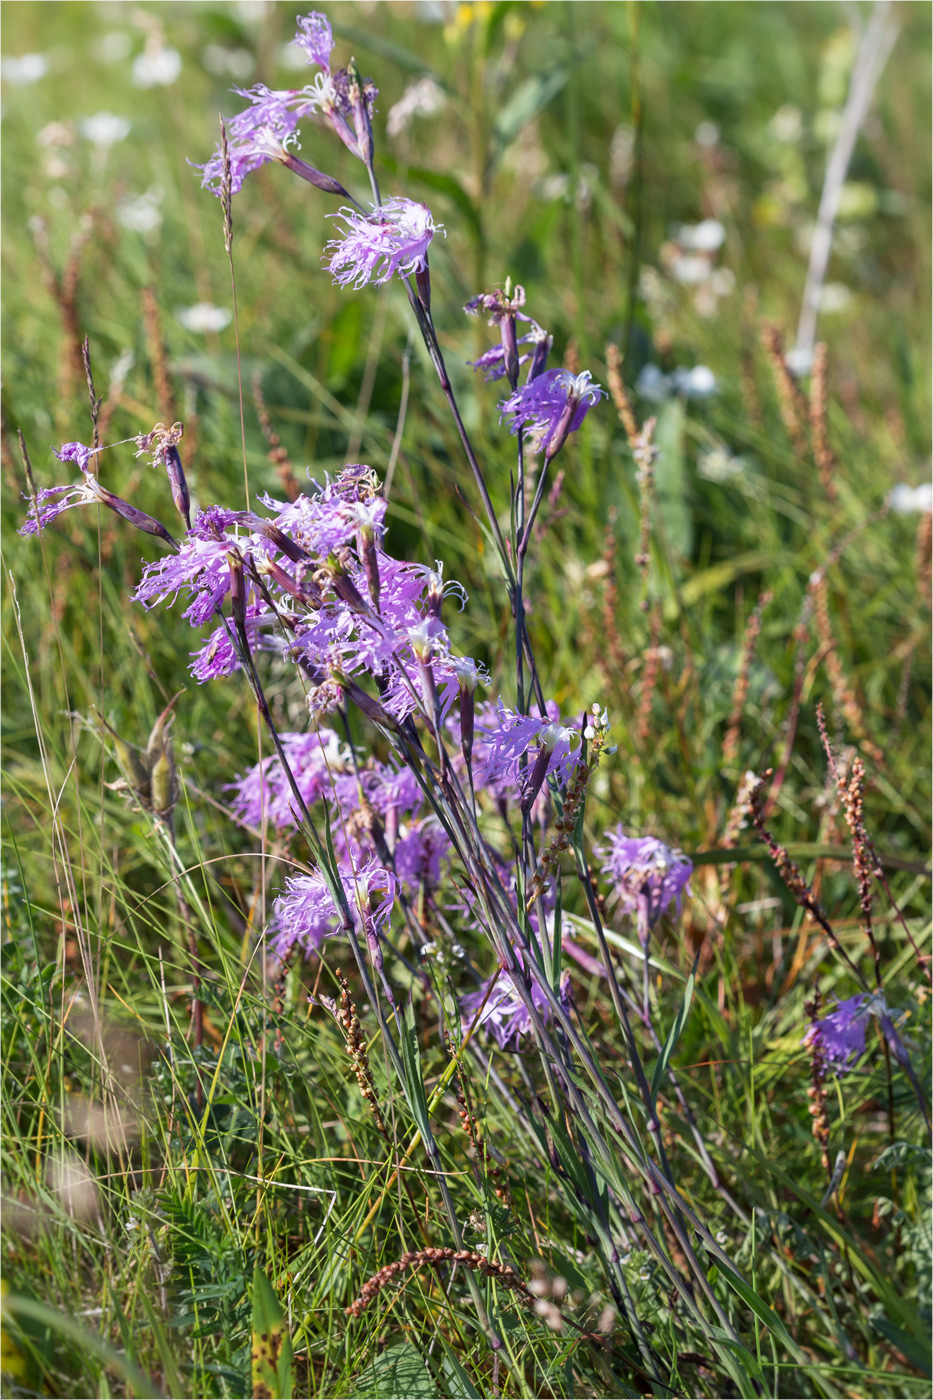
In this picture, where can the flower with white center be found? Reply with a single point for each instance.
(203, 317)
(156, 67)
(104, 129)
(904, 499)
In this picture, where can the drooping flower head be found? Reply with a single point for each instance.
(502, 308)
(394, 238)
(840, 1034)
(551, 407)
(647, 876)
(505, 1016)
(268, 129)
(51, 501)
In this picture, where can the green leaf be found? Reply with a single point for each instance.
(414, 1080)
(400, 1373)
(20, 1307)
(457, 1383)
(680, 1020)
(916, 1352)
(529, 98)
(169, 1364)
(761, 1309)
(273, 1368)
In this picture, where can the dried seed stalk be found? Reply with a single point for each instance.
(792, 403)
(819, 438)
(435, 1257)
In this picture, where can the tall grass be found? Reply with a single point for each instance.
(191, 1157)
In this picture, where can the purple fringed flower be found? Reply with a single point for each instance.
(75, 452)
(316, 38)
(419, 851)
(647, 876)
(499, 747)
(51, 501)
(840, 1035)
(551, 407)
(394, 238)
(306, 914)
(261, 133)
(506, 1017)
(201, 566)
(264, 791)
(47, 508)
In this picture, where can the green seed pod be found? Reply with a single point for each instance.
(160, 731)
(131, 764)
(163, 782)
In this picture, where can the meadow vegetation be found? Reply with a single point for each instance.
(713, 1176)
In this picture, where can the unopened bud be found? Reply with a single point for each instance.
(510, 348)
(147, 523)
(314, 177)
(178, 483)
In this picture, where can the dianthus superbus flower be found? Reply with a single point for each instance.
(550, 407)
(505, 1016)
(51, 501)
(394, 238)
(306, 913)
(840, 1034)
(500, 745)
(647, 876)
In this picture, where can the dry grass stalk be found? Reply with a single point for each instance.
(155, 345)
(619, 394)
(471, 1127)
(819, 437)
(649, 681)
(504, 1274)
(64, 291)
(851, 789)
(792, 402)
(790, 871)
(844, 696)
(816, 1093)
(349, 1022)
(572, 357)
